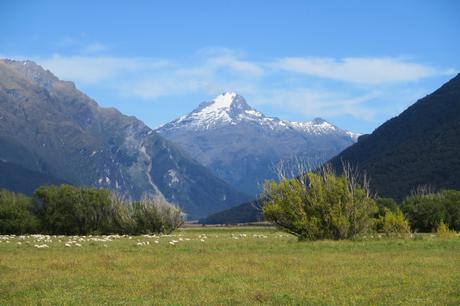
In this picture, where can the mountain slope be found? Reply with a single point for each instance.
(24, 180)
(244, 213)
(421, 146)
(48, 126)
(243, 146)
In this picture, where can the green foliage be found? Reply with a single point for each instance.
(386, 203)
(393, 222)
(122, 221)
(70, 210)
(444, 232)
(15, 214)
(319, 206)
(426, 211)
(155, 215)
(73, 210)
(451, 201)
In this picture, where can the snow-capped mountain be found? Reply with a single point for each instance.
(243, 146)
(230, 108)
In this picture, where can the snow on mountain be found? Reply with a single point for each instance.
(230, 108)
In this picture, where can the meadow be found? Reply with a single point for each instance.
(228, 266)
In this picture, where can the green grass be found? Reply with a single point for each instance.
(265, 267)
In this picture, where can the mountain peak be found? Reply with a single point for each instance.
(226, 108)
(318, 120)
(230, 101)
(231, 110)
(32, 71)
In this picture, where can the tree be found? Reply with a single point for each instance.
(71, 210)
(386, 203)
(426, 211)
(320, 205)
(15, 214)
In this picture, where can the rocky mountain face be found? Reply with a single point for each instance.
(49, 127)
(244, 147)
(419, 147)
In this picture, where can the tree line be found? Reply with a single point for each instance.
(71, 210)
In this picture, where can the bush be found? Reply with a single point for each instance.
(426, 211)
(443, 231)
(74, 210)
(320, 205)
(121, 215)
(156, 215)
(393, 222)
(15, 214)
(451, 200)
(71, 210)
(385, 203)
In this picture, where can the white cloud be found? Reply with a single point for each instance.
(80, 43)
(94, 48)
(89, 69)
(371, 71)
(150, 78)
(321, 103)
(290, 82)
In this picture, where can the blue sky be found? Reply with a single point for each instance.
(354, 63)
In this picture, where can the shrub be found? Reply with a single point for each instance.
(393, 222)
(122, 221)
(71, 210)
(320, 205)
(451, 201)
(156, 215)
(385, 203)
(15, 214)
(443, 231)
(74, 210)
(426, 211)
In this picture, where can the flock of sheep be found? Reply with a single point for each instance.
(46, 241)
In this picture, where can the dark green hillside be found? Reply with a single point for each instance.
(244, 213)
(421, 146)
(19, 179)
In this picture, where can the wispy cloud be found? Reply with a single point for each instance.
(94, 47)
(313, 102)
(150, 78)
(96, 69)
(359, 84)
(371, 71)
(81, 44)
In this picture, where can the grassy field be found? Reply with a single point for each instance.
(227, 266)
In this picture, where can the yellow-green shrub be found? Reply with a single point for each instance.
(393, 222)
(319, 206)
